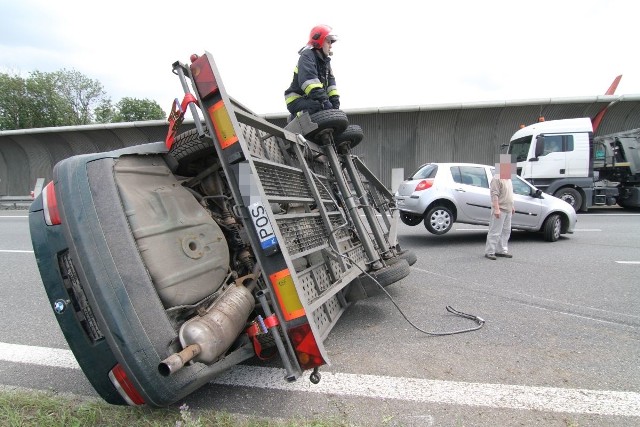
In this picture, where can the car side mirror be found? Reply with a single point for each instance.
(537, 194)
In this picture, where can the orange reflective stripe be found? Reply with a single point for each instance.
(287, 294)
(223, 125)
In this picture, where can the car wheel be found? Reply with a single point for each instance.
(410, 219)
(571, 196)
(552, 228)
(438, 220)
(351, 137)
(188, 149)
(365, 285)
(335, 120)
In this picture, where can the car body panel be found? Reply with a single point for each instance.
(470, 184)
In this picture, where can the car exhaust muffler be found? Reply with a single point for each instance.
(205, 338)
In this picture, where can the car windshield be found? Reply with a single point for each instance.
(520, 186)
(520, 148)
(425, 171)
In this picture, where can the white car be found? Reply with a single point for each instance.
(440, 194)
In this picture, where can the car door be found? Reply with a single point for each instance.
(471, 193)
(527, 208)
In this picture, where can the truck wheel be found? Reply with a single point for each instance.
(188, 149)
(410, 219)
(552, 228)
(571, 196)
(365, 286)
(438, 220)
(328, 119)
(351, 137)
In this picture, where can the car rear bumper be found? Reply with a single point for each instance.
(410, 204)
(130, 325)
(68, 300)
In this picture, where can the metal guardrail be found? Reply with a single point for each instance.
(15, 202)
(22, 202)
(16, 199)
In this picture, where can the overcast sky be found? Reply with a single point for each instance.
(389, 53)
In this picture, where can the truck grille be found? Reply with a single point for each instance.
(81, 306)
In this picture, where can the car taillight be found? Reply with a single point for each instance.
(50, 205)
(305, 346)
(207, 86)
(124, 386)
(424, 184)
(202, 73)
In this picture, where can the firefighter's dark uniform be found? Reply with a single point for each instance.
(313, 87)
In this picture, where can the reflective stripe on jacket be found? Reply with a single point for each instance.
(312, 77)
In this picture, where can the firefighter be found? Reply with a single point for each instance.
(313, 87)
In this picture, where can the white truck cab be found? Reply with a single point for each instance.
(563, 158)
(564, 151)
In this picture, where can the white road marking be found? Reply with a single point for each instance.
(612, 214)
(628, 262)
(53, 357)
(16, 251)
(485, 229)
(14, 216)
(582, 401)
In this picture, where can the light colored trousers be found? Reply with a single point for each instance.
(499, 233)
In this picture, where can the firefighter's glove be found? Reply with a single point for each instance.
(335, 101)
(314, 107)
(327, 105)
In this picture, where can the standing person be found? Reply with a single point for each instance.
(502, 208)
(313, 87)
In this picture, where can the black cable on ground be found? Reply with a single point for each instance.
(478, 320)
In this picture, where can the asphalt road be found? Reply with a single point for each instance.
(562, 327)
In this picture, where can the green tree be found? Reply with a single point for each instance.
(81, 93)
(12, 102)
(65, 98)
(46, 106)
(133, 110)
(105, 112)
(62, 98)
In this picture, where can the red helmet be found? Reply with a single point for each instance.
(318, 35)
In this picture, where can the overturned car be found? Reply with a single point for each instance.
(168, 263)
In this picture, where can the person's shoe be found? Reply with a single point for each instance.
(505, 255)
(490, 256)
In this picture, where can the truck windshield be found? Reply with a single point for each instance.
(520, 148)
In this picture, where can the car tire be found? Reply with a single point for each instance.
(410, 219)
(438, 220)
(350, 137)
(335, 120)
(571, 196)
(552, 228)
(365, 286)
(187, 149)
